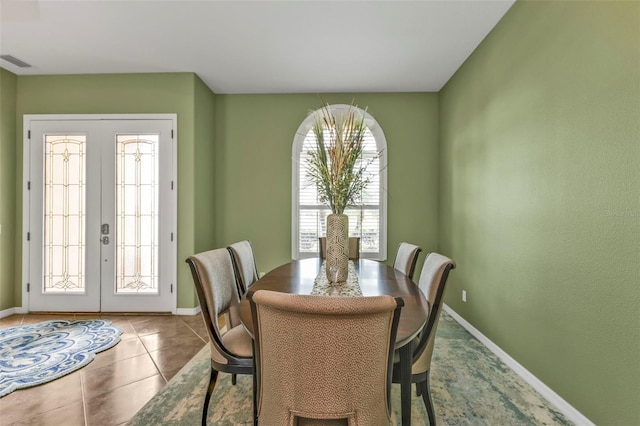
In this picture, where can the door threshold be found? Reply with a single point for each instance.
(97, 313)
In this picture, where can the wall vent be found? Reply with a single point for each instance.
(15, 61)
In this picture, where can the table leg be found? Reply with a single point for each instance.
(405, 383)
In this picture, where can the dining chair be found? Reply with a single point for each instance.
(231, 351)
(406, 258)
(246, 272)
(433, 280)
(354, 248)
(323, 360)
(244, 264)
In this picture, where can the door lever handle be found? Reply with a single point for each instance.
(105, 229)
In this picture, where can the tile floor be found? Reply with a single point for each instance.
(118, 382)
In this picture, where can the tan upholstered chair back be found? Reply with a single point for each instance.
(433, 280)
(406, 258)
(215, 284)
(354, 248)
(323, 358)
(244, 263)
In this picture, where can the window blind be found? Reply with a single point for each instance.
(364, 220)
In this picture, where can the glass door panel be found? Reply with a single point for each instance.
(63, 203)
(138, 267)
(137, 214)
(64, 217)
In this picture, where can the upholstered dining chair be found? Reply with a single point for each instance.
(433, 280)
(354, 248)
(323, 360)
(406, 258)
(244, 264)
(231, 352)
(246, 273)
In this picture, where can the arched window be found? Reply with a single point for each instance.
(367, 221)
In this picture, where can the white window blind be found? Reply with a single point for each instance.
(366, 220)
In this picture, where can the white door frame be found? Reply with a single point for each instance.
(27, 118)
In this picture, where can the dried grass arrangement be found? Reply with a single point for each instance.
(336, 167)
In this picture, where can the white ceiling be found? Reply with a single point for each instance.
(253, 46)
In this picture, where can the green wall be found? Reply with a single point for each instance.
(181, 93)
(230, 190)
(204, 167)
(8, 83)
(540, 197)
(254, 139)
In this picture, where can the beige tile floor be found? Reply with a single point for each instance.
(118, 382)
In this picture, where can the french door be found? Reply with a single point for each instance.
(100, 214)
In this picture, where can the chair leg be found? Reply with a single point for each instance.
(207, 398)
(234, 377)
(255, 388)
(428, 402)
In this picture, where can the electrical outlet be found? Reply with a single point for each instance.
(464, 295)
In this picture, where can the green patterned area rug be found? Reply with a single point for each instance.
(469, 384)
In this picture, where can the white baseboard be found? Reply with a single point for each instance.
(12, 311)
(21, 310)
(563, 406)
(188, 311)
(7, 312)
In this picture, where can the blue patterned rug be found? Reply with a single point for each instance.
(38, 353)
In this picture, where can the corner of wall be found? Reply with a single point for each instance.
(8, 175)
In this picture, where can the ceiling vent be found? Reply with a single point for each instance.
(15, 61)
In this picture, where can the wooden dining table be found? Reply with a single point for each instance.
(374, 279)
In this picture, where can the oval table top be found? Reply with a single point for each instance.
(374, 279)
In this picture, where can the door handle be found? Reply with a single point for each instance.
(105, 229)
(105, 240)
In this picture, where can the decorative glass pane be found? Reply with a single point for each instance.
(364, 221)
(64, 220)
(137, 214)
